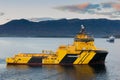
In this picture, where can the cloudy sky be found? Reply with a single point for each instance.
(83, 9)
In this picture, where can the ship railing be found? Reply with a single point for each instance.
(84, 39)
(48, 52)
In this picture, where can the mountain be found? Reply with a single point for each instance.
(40, 19)
(60, 28)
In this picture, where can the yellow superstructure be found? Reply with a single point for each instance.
(82, 51)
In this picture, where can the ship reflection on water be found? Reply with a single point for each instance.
(60, 72)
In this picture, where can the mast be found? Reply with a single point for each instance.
(82, 29)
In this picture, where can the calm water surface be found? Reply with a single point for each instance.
(12, 46)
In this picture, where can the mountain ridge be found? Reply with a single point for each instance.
(59, 28)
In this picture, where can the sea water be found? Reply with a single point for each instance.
(10, 46)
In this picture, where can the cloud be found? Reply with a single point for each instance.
(82, 6)
(1, 13)
(116, 6)
(110, 9)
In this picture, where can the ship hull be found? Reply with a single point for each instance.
(99, 57)
(84, 57)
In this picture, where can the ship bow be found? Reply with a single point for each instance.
(99, 57)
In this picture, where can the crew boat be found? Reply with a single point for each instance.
(81, 51)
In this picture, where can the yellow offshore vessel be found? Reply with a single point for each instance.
(82, 51)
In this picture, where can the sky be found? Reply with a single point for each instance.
(83, 9)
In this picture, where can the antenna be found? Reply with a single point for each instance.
(82, 29)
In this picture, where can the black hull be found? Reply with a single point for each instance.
(99, 57)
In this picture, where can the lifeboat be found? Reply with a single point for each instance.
(81, 51)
